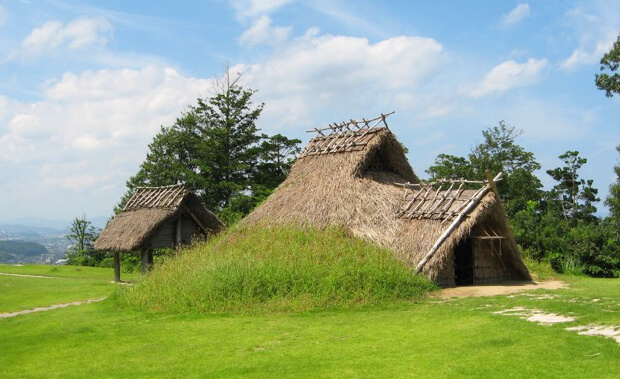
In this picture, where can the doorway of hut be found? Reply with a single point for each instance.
(464, 263)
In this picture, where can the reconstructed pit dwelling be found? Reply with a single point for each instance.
(355, 175)
(156, 218)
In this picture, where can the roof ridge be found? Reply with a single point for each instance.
(170, 196)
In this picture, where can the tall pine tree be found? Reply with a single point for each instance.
(215, 149)
(573, 197)
(613, 199)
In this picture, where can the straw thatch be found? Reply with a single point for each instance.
(361, 190)
(149, 211)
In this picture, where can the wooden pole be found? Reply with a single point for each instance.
(145, 260)
(179, 225)
(472, 204)
(150, 259)
(499, 202)
(117, 267)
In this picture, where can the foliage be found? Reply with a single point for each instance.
(216, 150)
(609, 82)
(276, 270)
(83, 235)
(573, 197)
(498, 152)
(560, 226)
(451, 167)
(613, 199)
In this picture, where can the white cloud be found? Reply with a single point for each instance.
(89, 131)
(518, 14)
(261, 32)
(508, 75)
(594, 27)
(581, 55)
(338, 74)
(253, 8)
(78, 33)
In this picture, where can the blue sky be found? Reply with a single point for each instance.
(85, 85)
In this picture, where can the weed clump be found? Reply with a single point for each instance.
(276, 269)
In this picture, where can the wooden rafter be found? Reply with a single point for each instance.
(346, 136)
(466, 210)
(431, 201)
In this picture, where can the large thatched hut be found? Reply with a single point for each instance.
(157, 218)
(355, 175)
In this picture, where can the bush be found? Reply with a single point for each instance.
(276, 270)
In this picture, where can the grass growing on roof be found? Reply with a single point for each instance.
(276, 269)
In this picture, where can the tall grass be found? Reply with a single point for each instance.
(282, 269)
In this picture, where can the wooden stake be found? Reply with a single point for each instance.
(179, 226)
(117, 267)
(499, 200)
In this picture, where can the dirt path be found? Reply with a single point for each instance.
(32, 276)
(498, 289)
(43, 309)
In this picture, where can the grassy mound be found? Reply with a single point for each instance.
(276, 270)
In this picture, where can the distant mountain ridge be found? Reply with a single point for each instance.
(29, 229)
(46, 226)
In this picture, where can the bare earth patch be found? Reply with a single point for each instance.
(535, 315)
(498, 289)
(598, 330)
(42, 309)
(31, 276)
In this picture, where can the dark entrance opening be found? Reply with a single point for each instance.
(464, 263)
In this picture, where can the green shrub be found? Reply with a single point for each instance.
(276, 270)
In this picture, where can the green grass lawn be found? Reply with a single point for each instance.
(78, 272)
(428, 338)
(68, 284)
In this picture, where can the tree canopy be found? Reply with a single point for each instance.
(216, 150)
(609, 80)
(83, 235)
(575, 197)
(498, 152)
(560, 225)
(613, 199)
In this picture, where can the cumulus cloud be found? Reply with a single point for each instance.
(253, 8)
(76, 34)
(328, 72)
(508, 75)
(261, 32)
(89, 131)
(595, 32)
(518, 14)
(582, 55)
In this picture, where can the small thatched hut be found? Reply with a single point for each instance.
(355, 175)
(156, 218)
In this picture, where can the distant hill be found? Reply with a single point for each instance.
(20, 251)
(22, 248)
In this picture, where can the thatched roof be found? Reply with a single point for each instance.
(147, 210)
(361, 189)
(355, 189)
